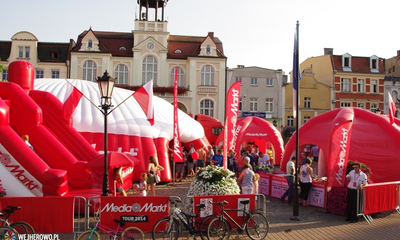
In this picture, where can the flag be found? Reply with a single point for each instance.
(177, 138)
(144, 96)
(74, 96)
(296, 70)
(392, 109)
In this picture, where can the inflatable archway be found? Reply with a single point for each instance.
(259, 131)
(351, 134)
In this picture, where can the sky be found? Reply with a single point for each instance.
(253, 32)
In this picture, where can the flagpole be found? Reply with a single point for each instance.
(296, 186)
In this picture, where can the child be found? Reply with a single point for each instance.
(143, 185)
(119, 181)
(255, 184)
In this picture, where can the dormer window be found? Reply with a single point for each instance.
(346, 62)
(374, 64)
(208, 49)
(178, 51)
(55, 55)
(122, 48)
(90, 44)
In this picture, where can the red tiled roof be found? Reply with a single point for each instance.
(358, 64)
(110, 42)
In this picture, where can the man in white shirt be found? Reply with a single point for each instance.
(264, 160)
(357, 180)
(290, 172)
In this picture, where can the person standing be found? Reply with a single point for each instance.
(25, 138)
(264, 160)
(306, 176)
(119, 182)
(290, 172)
(218, 158)
(201, 161)
(210, 154)
(152, 169)
(191, 161)
(232, 161)
(357, 180)
(246, 180)
(143, 185)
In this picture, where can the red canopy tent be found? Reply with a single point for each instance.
(260, 132)
(351, 134)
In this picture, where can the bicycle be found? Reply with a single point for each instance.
(20, 227)
(170, 227)
(8, 233)
(129, 233)
(254, 223)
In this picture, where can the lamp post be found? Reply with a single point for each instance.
(106, 87)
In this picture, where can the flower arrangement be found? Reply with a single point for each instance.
(336, 202)
(3, 192)
(213, 180)
(263, 168)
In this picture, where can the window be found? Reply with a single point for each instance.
(345, 104)
(254, 82)
(307, 102)
(374, 86)
(270, 82)
(122, 48)
(216, 131)
(239, 79)
(90, 44)
(5, 74)
(306, 118)
(374, 106)
(207, 107)
(178, 51)
(240, 104)
(290, 121)
(253, 104)
(149, 70)
(55, 74)
(39, 73)
(360, 85)
(89, 71)
(24, 52)
(269, 105)
(373, 63)
(207, 75)
(360, 105)
(347, 62)
(208, 49)
(55, 55)
(345, 85)
(121, 73)
(180, 76)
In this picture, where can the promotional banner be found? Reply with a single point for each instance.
(339, 148)
(142, 212)
(232, 110)
(177, 139)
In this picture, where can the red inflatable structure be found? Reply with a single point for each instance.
(351, 134)
(260, 132)
(67, 158)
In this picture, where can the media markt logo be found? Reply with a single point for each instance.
(148, 207)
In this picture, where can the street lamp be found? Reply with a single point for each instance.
(106, 87)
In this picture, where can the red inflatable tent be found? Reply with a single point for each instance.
(351, 134)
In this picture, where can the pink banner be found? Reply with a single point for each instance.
(339, 148)
(177, 138)
(232, 110)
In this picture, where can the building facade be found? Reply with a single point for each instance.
(392, 81)
(147, 53)
(260, 92)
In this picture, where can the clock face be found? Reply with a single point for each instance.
(150, 46)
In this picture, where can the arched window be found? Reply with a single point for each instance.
(149, 70)
(180, 76)
(89, 71)
(90, 44)
(122, 48)
(178, 51)
(207, 107)
(121, 73)
(207, 75)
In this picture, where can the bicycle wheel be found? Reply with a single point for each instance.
(89, 235)
(8, 233)
(218, 229)
(22, 227)
(257, 226)
(132, 233)
(204, 225)
(165, 228)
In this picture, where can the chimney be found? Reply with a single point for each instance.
(211, 34)
(328, 51)
(240, 66)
